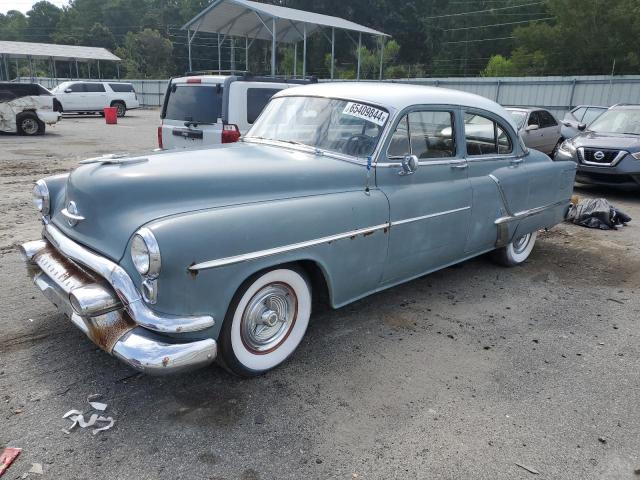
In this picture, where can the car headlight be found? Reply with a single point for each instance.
(145, 253)
(568, 147)
(41, 199)
(636, 155)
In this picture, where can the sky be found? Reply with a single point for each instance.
(25, 5)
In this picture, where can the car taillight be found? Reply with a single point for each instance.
(160, 136)
(230, 133)
(194, 80)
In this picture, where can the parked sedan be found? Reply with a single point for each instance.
(339, 190)
(538, 127)
(608, 151)
(578, 118)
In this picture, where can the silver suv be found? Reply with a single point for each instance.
(202, 109)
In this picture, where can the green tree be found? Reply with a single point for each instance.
(146, 54)
(42, 21)
(498, 66)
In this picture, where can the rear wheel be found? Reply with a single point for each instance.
(122, 108)
(28, 123)
(266, 321)
(517, 251)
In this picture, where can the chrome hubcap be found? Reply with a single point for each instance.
(268, 318)
(520, 244)
(29, 126)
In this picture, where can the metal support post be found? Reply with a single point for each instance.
(295, 59)
(304, 52)
(359, 48)
(219, 55)
(333, 50)
(246, 53)
(273, 47)
(381, 55)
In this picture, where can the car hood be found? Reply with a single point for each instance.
(116, 199)
(614, 141)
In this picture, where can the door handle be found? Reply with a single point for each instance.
(460, 166)
(517, 161)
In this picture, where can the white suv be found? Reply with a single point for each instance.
(204, 109)
(76, 97)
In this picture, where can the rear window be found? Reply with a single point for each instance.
(121, 87)
(257, 99)
(194, 103)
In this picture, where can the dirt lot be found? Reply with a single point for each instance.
(458, 375)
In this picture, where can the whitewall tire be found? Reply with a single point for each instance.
(517, 251)
(266, 321)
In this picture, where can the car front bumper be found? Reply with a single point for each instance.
(624, 173)
(106, 317)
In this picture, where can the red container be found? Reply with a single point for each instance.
(111, 115)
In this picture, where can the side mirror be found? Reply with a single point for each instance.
(410, 164)
(531, 128)
(582, 127)
(67, 90)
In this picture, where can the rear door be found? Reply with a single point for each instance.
(533, 135)
(96, 96)
(191, 115)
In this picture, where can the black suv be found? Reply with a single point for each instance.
(608, 152)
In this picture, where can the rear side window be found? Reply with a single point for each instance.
(94, 87)
(257, 99)
(534, 119)
(122, 87)
(194, 103)
(485, 137)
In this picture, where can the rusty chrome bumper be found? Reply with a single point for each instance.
(93, 305)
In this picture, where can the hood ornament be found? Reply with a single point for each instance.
(599, 155)
(114, 159)
(71, 214)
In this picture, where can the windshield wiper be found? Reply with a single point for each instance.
(191, 123)
(630, 133)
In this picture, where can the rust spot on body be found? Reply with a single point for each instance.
(192, 273)
(165, 361)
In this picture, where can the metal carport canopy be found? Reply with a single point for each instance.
(51, 52)
(245, 18)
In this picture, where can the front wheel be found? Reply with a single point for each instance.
(517, 251)
(266, 321)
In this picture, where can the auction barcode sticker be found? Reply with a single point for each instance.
(371, 114)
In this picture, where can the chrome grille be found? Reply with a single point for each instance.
(599, 156)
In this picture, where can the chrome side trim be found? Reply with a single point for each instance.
(431, 215)
(532, 211)
(245, 257)
(124, 287)
(503, 197)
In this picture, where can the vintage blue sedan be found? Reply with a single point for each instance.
(172, 260)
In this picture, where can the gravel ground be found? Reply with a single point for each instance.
(459, 375)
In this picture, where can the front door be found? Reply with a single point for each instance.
(430, 207)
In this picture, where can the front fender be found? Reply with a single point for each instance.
(352, 266)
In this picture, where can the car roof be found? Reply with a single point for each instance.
(526, 109)
(396, 96)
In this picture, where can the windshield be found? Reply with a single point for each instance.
(338, 126)
(618, 121)
(518, 116)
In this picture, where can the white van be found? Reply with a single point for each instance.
(86, 97)
(203, 109)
